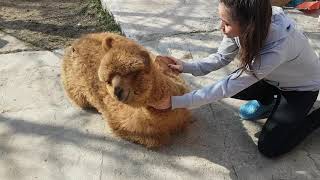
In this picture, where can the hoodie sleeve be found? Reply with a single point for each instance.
(230, 85)
(226, 53)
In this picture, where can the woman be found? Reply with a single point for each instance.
(280, 73)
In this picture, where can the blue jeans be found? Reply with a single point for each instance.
(288, 123)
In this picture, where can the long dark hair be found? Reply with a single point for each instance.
(254, 17)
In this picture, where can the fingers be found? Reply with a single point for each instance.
(165, 59)
(172, 62)
(163, 104)
(173, 59)
(168, 59)
(175, 67)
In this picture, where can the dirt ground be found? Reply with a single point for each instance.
(52, 24)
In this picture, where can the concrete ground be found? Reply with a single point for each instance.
(42, 136)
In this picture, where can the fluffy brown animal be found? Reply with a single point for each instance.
(120, 78)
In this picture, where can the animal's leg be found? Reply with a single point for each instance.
(78, 98)
(150, 141)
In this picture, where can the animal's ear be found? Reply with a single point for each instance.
(107, 43)
(146, 58)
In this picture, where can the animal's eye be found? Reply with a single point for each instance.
(134, 74)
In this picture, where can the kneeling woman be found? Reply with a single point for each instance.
(277, 61)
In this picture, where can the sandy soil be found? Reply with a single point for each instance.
(49, 24)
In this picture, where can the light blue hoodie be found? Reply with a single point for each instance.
(287, 61)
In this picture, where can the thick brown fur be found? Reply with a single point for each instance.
(119, 77)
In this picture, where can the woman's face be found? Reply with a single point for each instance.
(229, 27)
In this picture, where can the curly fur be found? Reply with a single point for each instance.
(119, 77)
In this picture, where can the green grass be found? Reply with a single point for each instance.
(105, 19)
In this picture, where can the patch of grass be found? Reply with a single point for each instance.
(105, 19)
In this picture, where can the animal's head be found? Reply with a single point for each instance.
(125, 70)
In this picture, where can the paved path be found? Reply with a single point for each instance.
(43, 137)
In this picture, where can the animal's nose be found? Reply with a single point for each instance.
(118, 91)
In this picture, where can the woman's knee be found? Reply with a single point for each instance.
(268, 150)
(272, 140)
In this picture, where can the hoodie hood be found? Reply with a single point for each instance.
(280, 27)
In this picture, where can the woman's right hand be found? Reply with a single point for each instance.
(176, 64)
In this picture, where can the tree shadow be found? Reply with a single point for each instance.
(52, 29)
(3, 43)
(178, 17)
(217, 141)
(58, 137)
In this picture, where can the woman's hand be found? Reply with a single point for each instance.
(176, 65)
(173, 63)
(163, 104)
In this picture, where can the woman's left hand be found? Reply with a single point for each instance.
(163, 104)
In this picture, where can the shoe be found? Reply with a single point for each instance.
(253, 110)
